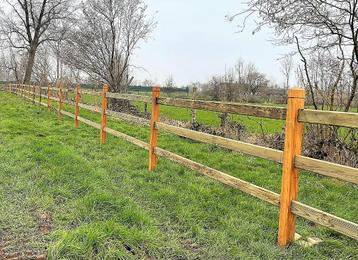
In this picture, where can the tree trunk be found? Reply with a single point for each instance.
(30, 64)
(119, 105)
(353, 93)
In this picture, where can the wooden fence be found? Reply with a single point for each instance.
(292, 161)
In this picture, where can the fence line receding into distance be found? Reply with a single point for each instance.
(295, 115)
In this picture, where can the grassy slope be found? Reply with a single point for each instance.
(101, 201)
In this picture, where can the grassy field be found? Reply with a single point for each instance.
(68, 197)
(208, 118)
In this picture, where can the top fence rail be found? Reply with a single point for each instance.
(334, 118)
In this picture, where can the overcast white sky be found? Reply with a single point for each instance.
(193, 41)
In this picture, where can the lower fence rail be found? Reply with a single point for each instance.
(317, 216)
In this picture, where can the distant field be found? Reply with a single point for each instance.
(208, 118)
(65, 195)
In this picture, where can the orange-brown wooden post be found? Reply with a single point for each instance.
(293, 147)
(33, 94)
(103, 134)
(60, 102)
(40, 93)
(49, 98)
(153, 130)
(77, 106)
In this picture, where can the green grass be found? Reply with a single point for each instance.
(104, 204)
(208, 118)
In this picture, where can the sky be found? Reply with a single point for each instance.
(193, 41)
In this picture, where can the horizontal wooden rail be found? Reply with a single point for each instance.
(90, 107)
(226, 107)
(229, 180)
(37, 95)
(346, 173)
(250, 149)
(128, 138)
(325, 219)
(88, 122)
(91, 92)
(54, 89)
(129, 118)
(117, 115)
(129, 97)
(341, 172)
(344, 119)
(329, 169)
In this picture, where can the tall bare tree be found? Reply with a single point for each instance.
(30, 23)
(169, 82)
(104, 37)
(255, 81)
(286, 69)
(317, 24)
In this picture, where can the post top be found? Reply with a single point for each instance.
(156, 88)
(296, 93)
(105, 87)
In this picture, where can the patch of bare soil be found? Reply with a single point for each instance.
(45, 223)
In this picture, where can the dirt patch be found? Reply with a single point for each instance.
(27, 255)
(45, 223)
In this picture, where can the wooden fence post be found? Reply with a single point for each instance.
(289, 184)
(77, 107)
(33, 94)
(60, 104)
(153, 129)
(40, 93)
(49, 97)
(103, 134)
(193, 111)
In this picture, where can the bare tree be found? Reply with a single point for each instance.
(14, 63)
(30, 23)
(240, 70)
(255, 81)
(169, 82)
(286, 69)
(42, 67)
(230, 86)
(318, 24)
(214, 86)
(148, 83)
(104, 37)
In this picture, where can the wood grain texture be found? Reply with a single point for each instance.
(250, 149)
(129, 118)
(49, 98)
(229, 180)
(68, 114)
(128, 138)
(89, 122)
(325, 219)
(129, 97)
(60, 100)
(329, 118)
(77, 108)
(90, 107)
(104, 114)
(226, 107)
(91, 92)
(329, 169)
(289, 183)
(153, 138)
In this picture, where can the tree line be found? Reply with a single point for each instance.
(93, 38)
